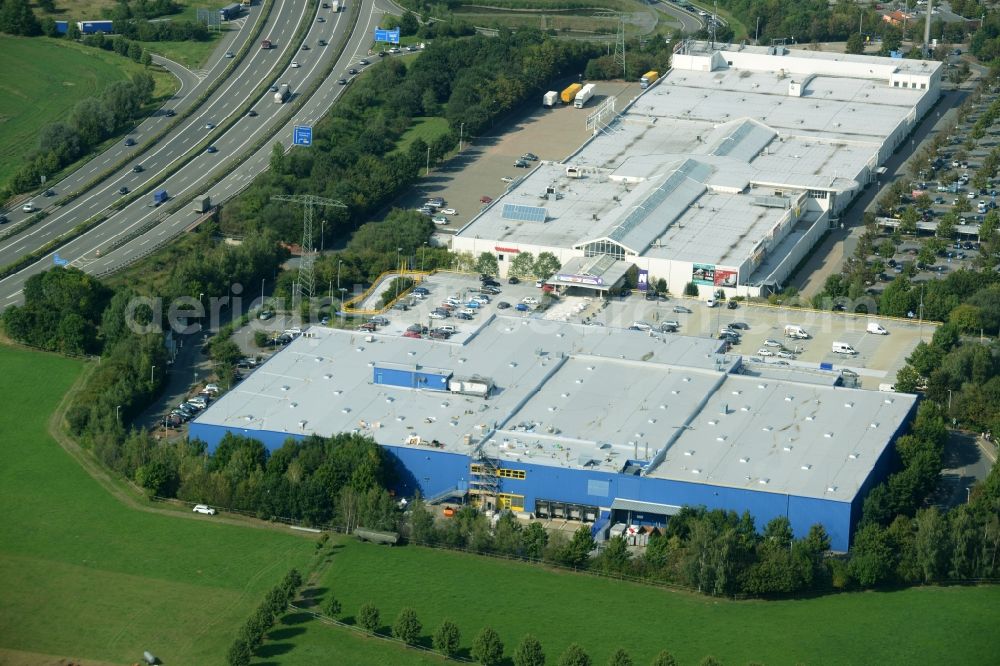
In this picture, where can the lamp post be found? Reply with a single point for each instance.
(262, 293)
(340, 263)
(322, 223)
(461, 133)
(118, 410)
(422, 248)
(151, 374)
(949, 401)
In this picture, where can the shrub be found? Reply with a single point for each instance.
(368, 617)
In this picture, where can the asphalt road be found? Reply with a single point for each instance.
(281, 26)
(192, 85)
(690, 23)
(272, 118)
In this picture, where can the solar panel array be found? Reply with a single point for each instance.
(523, 213)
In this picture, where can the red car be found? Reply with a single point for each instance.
(412, 334)
(485, 199)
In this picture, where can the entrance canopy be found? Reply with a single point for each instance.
(601, 273)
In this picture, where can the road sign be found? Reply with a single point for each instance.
(383, 35)
(59, 261)
(302, 135)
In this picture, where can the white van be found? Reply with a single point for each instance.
(796, 331)
(843, 348)
(887, 388)
(876, 329)
(710, 302)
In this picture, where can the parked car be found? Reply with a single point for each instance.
(205, 509)
(503, 305)
(521, 307)
(764, 351)
(680, 309)
(529, 300)
(771, 343)
(732, 305)
(530, 157)
(739, 326)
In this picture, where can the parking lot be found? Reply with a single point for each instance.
(550, 133)
(877, 360)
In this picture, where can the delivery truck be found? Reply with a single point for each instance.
(203, 204)
(159, 196)
(796, 331)
(569, 93)
(648, 79)
(335, 6)
(282, 94)
(584, 95)
(550, 98)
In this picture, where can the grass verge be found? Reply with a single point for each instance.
(41, 81)
(929, 624)
(87, 576)
(427, 129)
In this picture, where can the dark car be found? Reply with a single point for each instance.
(352, 71)
(211, 149)
(382, 54)
(137, 168)
(462, 315)
(512, 280)
(169, 113)
(682, 309)
(342, 82)
(251, 113)
(521, 164)
(305, 47)
(322, 42)
(123, 190)
(739, 326)
(503, 305)
(3, 219)
(531, 157)
(491, 283)
(732, 305)
(130, 141)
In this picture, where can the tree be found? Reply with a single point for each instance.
(931, 543)
(690, 289)
(522, 265)
(487, 648)
(946, 227)
(239, 653)
(578, 550)
(447, 638)
(574, 656)
(907, 380)
(871, 556)
(529, 652)
(709, 661)
(855, 43)
(147, 59)
(368, 617)
(966, 317)
(331, 606)
(487, 264)
(546, 265)
(908, 220)
(16, 18)
(664, 658)
(407, 627)
(620, 658)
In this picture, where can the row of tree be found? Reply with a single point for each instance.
(471, 81)
(273, 606)
(91, 121)
(487, 648)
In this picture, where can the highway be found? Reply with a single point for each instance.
(114, 242)
(690, 23)
(234, 91)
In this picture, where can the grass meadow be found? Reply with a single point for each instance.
(952, 625)
(42, 79)
(83, 576)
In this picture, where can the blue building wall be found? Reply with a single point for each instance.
(407, 378)
(433, 471)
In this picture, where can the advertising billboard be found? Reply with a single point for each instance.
(643, 279)
(703, 274)
(725, 277)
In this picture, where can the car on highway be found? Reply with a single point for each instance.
(28, 207)
(3, 219)
(320, 19)
(137, 168)
(273, 89)
(342, 82)
(382, 54)
(440, 220)
(352, 71)
(169, 113)
(230, 54)
(680, 309)
(205, 509)
(363, 62)
(123, 190)
(322, 42)
(394, 49)
(130, 141)
(251, 114)
(210, 126)
(295, 64)
(211, 149)
(411, 48)
(305, 47)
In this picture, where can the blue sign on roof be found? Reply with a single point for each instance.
(302, 135)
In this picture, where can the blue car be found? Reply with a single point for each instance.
(521, 307)
(472, 304)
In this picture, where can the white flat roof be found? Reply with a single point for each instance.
(575, 396)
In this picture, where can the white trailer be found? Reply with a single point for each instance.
(282, 94)
(584, 96)
(551, 98)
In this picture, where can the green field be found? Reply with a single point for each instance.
(921, 625)
(83, 575)
(427, 129)
(42, 79)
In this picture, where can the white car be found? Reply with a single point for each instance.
(771, 343)
(440, 220)
(506, 179)
(467, 311)
(447, 328)
(436, 315)
(212, 388)
(295, 64)
(449, 211)
(785, 354)
(28, 207)
(205, 509)
(764, 351)
(529, 300)
(481, 299)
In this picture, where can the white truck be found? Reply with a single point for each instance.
(796, 331)
(584, 95)
(335, 6)
(551, 98)
(876, 329)
(843, 348)
(282, 94)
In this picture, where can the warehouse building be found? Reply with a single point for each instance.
(587, 423)
(724, 173)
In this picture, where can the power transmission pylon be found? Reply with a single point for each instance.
(620, 46)
(306, 285)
